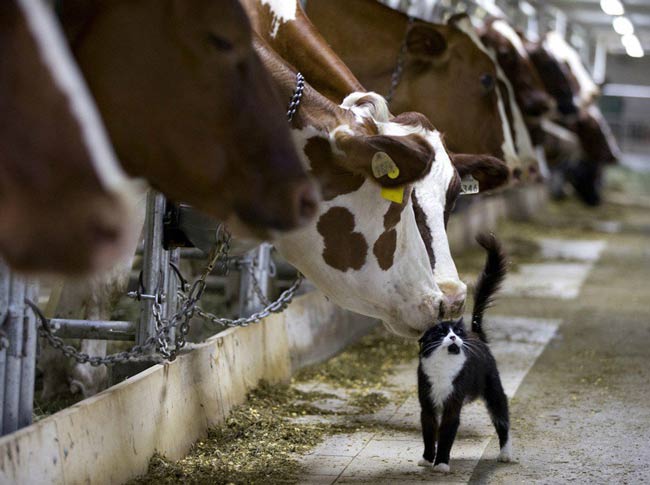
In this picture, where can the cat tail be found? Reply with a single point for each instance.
(489, 281)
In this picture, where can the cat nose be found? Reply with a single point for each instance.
(452, 338)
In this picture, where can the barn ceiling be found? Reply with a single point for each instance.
(589, 14)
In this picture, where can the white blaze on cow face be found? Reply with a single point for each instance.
(65, 73)
(283, 11)
(511, 35)
(562, 51)
(405, 295)
(508, 147)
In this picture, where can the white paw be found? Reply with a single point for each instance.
(424, 462)
(441, 468)
(505, 456)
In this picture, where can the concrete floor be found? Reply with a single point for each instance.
(571, 334)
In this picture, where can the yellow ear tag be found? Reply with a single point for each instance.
(394, 194)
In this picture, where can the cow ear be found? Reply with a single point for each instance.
(425, 41)
(489, 171)
(389, 160)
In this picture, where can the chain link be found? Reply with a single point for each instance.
(294, 102)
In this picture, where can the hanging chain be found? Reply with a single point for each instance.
(396, 78)
(294, 102)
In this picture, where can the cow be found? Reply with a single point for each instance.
(443, 71)
(567, 80)
(189, 107)
(512, 56)
(377, 255)
(65, 203)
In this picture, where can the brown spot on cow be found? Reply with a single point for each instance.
(334, 180)
(386, 244)
(344, 248)
(384, 249)
(423, 228)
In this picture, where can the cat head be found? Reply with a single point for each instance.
(448, 335)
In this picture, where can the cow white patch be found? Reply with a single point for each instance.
(441, 368)
(503, 28)
(561, 50)
(66, 75)
(283, 11)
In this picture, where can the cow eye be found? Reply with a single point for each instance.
(221, 43)
(487, 81)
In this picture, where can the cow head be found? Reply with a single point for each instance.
(189, 106)
(514, 60)
(64, 202)
(555, 77)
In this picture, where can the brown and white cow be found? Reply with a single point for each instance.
(64, 200)
(512, 56)
(189, 106)
(365, 252)
(447, 74)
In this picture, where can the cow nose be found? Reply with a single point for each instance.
(454, 294)
(306, 199)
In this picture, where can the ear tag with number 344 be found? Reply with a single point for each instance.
(469, 185)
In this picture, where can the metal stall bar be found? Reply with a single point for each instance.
(4, 341)
(152, 277)
(28, 364)
(15, 324)
(254, 282)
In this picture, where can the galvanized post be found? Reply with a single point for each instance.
(14, 354)
(255, 266)
(173, 282)
(28, 365)
(151, 265)
(4, 341)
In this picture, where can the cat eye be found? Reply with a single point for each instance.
(221, 43)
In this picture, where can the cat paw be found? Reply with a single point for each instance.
(424, 462)
(505, 456)
(441, 468)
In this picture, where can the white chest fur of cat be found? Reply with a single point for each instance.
(441, 368)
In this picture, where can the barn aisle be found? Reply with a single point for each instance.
(568, 333)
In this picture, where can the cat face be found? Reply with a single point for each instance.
(446, 335)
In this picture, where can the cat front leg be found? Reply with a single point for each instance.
(446, 437)
(429, 432)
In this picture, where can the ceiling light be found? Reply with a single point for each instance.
(623, 26)
(612, 7)
(632, 45)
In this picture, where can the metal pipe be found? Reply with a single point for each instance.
(255, 266)
(4, 309)
(173, 283)
(151, 263)
(28, 364)
(14, 354)
(93, 329)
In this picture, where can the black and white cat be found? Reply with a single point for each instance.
(457, 367)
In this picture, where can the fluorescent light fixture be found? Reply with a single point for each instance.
(632, 45)
(612, 7)
(623, 26)
(527, 8)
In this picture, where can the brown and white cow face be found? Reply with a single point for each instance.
(190, 107)
(365, 252)
(513, 58)
(65, 204)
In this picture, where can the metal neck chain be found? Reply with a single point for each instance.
(396, 77)
(294, 102)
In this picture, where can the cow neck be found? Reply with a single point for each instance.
(383, 32)
(297, 41)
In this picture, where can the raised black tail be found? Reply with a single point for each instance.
(489, 281)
